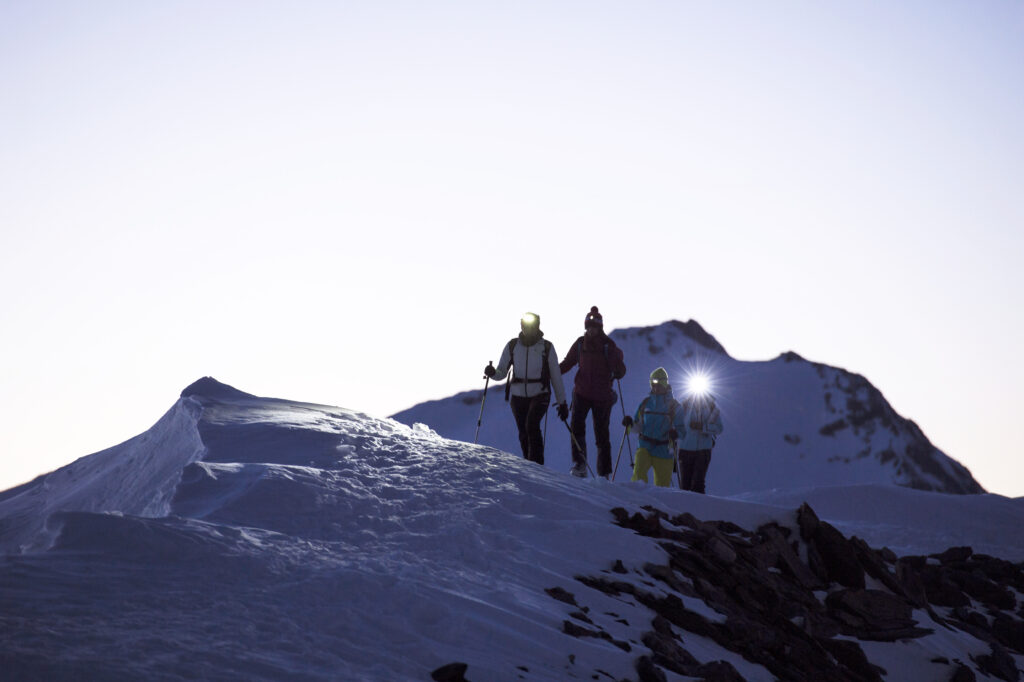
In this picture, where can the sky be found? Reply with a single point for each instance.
(352, 203)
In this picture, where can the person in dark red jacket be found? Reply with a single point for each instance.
(600, 364)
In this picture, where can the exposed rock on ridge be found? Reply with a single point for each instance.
(783, 599)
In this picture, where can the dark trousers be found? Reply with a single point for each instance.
(602, 413)
(529, 412)
(694, 465)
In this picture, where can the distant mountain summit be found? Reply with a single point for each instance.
(210, 388)
(789, 422)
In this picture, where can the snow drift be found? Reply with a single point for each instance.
(256, 538)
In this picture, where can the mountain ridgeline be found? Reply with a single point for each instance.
(789, 422)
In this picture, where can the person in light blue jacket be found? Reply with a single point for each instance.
(703, 424)
(659, 421)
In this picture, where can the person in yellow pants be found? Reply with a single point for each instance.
(659, 421)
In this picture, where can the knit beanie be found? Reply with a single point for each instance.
(593, 319)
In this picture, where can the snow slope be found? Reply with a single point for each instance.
(254, 538)
(789, 423)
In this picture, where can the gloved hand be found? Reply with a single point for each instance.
(563, 411)
(673, 434)
(489, 370)
(627, 421)
(618, 375)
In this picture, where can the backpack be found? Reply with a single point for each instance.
(579, 353)
(607, 362)
(671, 414)
(545, 371)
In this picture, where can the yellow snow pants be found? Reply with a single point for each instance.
(662, 468)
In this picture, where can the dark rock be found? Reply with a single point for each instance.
(650, 526)
(648, 671)
(689, 562)
(668, 576)
(875, 566)
(787, 559)
(621, 515)
(940, 589)
(718, 671)
(1009, 631)
(851, 656)
(839, 556)
(561, 595)
(1000, 570)
(963, 674)
(570, 628)
(874, 615)
(618, 567)
(808, 522)
(817, 564)
(909, 578)
(729, 528)
(609, 587)
(832, 428)
(954, 554)
(668, 654)
(453, 672)
(975, 584)
(582, 617)
(915, 562)
(999, 664)
(818, 625)
(672, 609)
(721, 550)
(662, 626)
(686, 519)
(966, 615)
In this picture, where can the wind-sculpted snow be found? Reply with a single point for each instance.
(138, 477)
(255, 538)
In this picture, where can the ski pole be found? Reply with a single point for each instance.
(619, 456)
(679, 465)
(626, 434)
(483, 401)
(578, 448)
(546, 413)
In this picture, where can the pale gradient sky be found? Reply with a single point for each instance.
(353, 202)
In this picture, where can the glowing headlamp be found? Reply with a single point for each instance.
(529, 320)
(698, 384)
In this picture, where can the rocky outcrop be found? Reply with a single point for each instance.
(799, 600)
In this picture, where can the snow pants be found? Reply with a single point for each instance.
(529, 412)
(662, 468)
(694, 468)
(602, 415)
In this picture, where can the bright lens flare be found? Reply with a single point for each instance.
(698, 384)
(529, 320)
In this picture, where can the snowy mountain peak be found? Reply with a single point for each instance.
(663, 334)
(211, 389)
(789, 422)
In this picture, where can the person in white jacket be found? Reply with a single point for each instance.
(534, 365)
(703, 425)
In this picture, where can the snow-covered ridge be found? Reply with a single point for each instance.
(138, 477)
(789, 423)
(259, 538)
